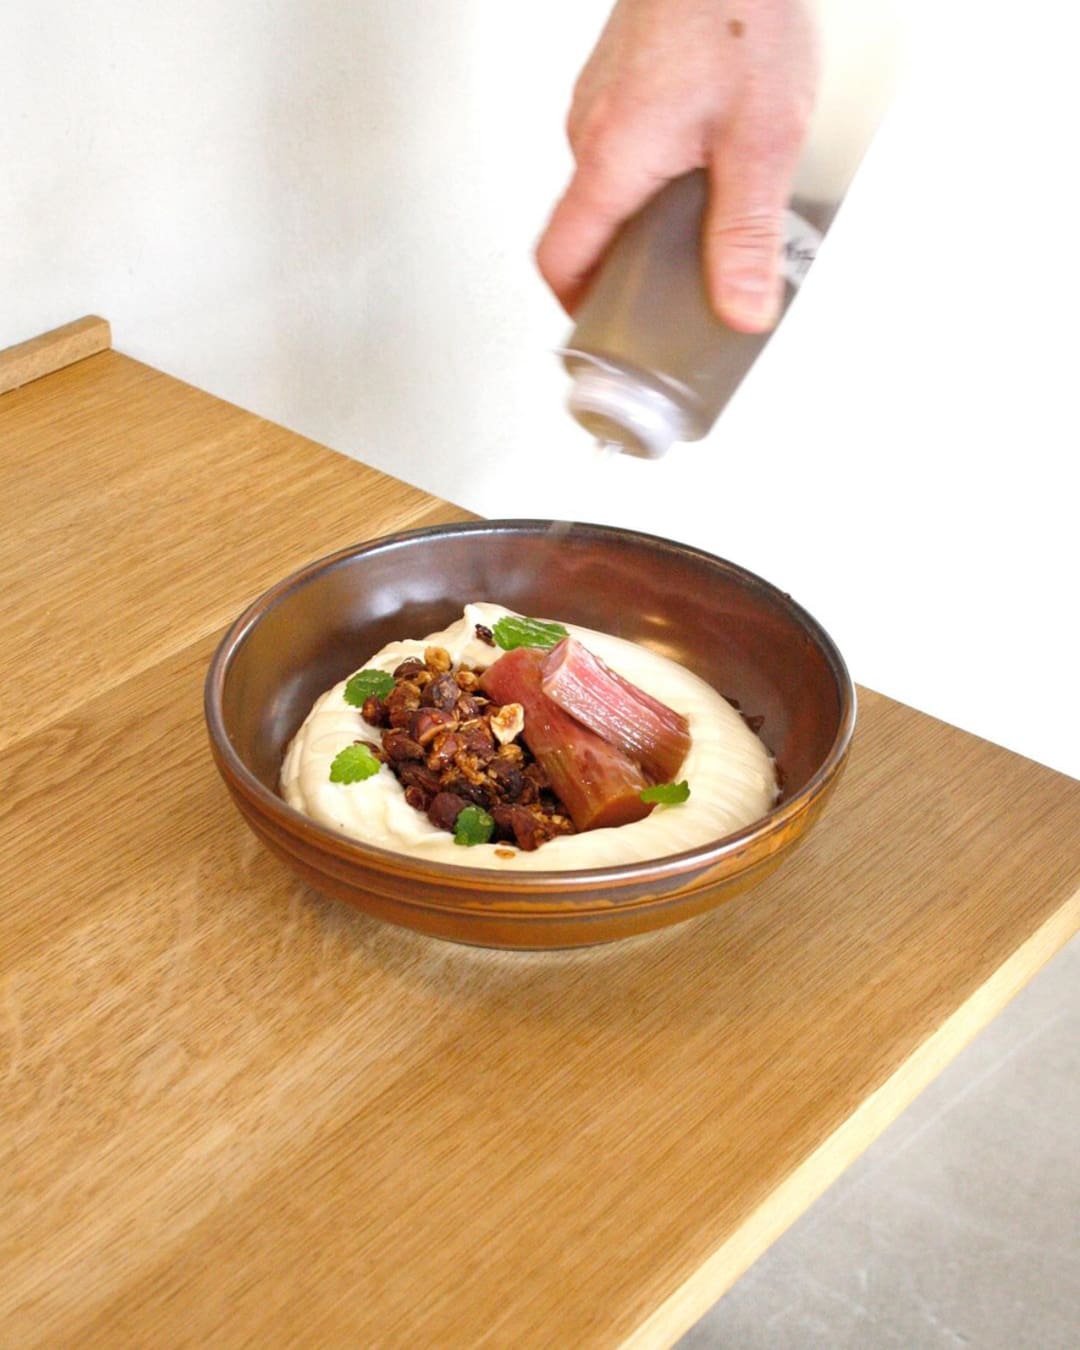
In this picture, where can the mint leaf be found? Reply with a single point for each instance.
(511, 632)
(365, 683)
(667, 794)
(353, 764)
(473, 826)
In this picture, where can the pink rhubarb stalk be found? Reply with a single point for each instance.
(596, 783)
(644, 729)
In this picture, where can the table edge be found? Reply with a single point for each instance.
(687, 1304)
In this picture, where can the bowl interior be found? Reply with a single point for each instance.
(747, 639)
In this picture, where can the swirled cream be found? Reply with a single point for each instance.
(732, 777)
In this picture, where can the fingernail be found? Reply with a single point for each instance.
(750, 304)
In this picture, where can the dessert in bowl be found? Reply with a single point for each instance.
(294, 651)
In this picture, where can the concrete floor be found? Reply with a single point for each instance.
(960, 1226)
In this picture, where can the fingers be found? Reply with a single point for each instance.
(583, 224)
(750, 176)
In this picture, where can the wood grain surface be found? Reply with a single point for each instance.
(140, 514)
(236, 1113)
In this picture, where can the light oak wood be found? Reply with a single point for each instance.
(140, 514)
(52, 351)
(234, 1113)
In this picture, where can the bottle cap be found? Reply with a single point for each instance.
(619, 410)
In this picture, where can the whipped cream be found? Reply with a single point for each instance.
(732, 777)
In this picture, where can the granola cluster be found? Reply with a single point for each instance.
(451, 747)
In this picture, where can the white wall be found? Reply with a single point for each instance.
(325, 212)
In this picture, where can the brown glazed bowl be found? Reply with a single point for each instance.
(746, 638)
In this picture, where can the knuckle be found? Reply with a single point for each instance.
(790, 123)
(548, 263)
(592, 134)
(776, 134)
(594, 186)
(575, 120)
(757, 230)
(607, 128)
(581, 106)
(545, 261)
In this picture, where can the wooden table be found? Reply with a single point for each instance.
(235, 1113)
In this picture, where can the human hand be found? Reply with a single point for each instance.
(676, 85)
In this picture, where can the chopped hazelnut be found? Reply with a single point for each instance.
(508, 722)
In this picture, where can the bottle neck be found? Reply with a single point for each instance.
(622, 411)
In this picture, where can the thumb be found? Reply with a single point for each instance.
(749, 185)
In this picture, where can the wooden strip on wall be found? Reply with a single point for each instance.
(52, 351)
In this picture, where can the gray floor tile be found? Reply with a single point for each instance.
(960, 1226)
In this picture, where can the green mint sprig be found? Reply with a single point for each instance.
(667, 794)
(364, 683)
(353, 764)
(510, 632)
(473, 826)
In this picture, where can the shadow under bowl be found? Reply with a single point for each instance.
(746, 638)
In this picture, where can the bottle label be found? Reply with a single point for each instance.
(799, 249)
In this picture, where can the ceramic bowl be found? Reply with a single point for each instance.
(749, 640)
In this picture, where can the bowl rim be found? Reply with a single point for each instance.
(347, 847)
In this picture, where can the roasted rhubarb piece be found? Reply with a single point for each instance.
(596, 783)
(645, 730)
